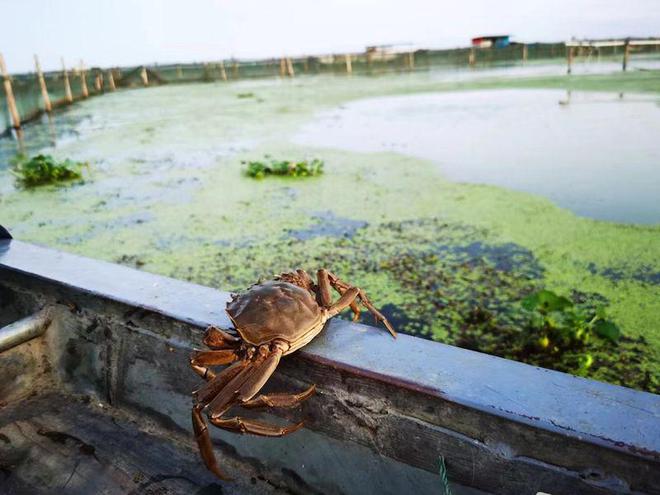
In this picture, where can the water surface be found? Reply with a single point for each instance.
(597, 154)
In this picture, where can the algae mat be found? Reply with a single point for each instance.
(447, 260)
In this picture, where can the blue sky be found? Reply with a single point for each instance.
(124, 32)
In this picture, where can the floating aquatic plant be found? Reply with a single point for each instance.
(304, 168)
(557, 325)
(44, 169)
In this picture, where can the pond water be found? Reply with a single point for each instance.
(597, 154)
(441, 256)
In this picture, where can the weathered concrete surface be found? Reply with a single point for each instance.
(386, 408)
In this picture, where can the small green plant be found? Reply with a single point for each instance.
(446, 489)
(556, 325)
(245, 95)
(44, 169)
(304, 168)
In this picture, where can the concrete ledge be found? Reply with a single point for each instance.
(502, 426)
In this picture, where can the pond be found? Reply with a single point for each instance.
(448, 207)
(596, 154)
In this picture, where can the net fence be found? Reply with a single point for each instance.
(30, 104)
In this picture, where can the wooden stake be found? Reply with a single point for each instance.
(83, 80)
(349, 65)
(68, 96)
(223, 72)
(289, 67)
(472, 57)
(524, 53)
(179, 73)
(42, 85)
(282, 67)
(234, 73)
(569, 60)
(144, 76)
(626, 55)
(411, 60)
(11, 102)
(111, 81)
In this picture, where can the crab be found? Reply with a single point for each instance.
(272, 319)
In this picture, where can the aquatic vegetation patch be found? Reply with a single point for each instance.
(303, 168)
(44, 169)
(446, 282)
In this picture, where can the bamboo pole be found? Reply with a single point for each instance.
(83, 80)
(411, 60)
(11, 102)
(289, 67)
(144, 76)
(42, 85)
(98, 82)
(111, 81)
(68, 96)
(472, 57)
(626, 55)
(349, 65)
(223, 72)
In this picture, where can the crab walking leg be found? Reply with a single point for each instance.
(324, 293)
(279, 400)
(212, 388)
(201, 359)
(257, 376)
(202, 398)
(218, 339)
(242, 425)
(343, 302)
(378, 316)
(248, 383)
(201, 430)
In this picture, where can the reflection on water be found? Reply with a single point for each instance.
(47, 132)
(597, 154)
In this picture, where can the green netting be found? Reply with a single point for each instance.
(30, 103)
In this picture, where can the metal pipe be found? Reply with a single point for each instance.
(23, 330)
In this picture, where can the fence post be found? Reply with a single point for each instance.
(179, 73)
(42, 85)
(144, 76)
(289, 67)
(223, 72)
(411, 60)
(68, 96)
(524, 53)
(626, 55)
(349, 65)
(83, 80)
(569, 60)
(11, 102)
(99, 81)
(111, 81)
(234, 70)
(472, 57)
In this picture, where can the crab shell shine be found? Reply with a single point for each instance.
(277, 310)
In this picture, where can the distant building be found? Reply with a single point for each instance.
(388, 52)
(497, 41)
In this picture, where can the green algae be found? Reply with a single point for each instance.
(447, 261)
